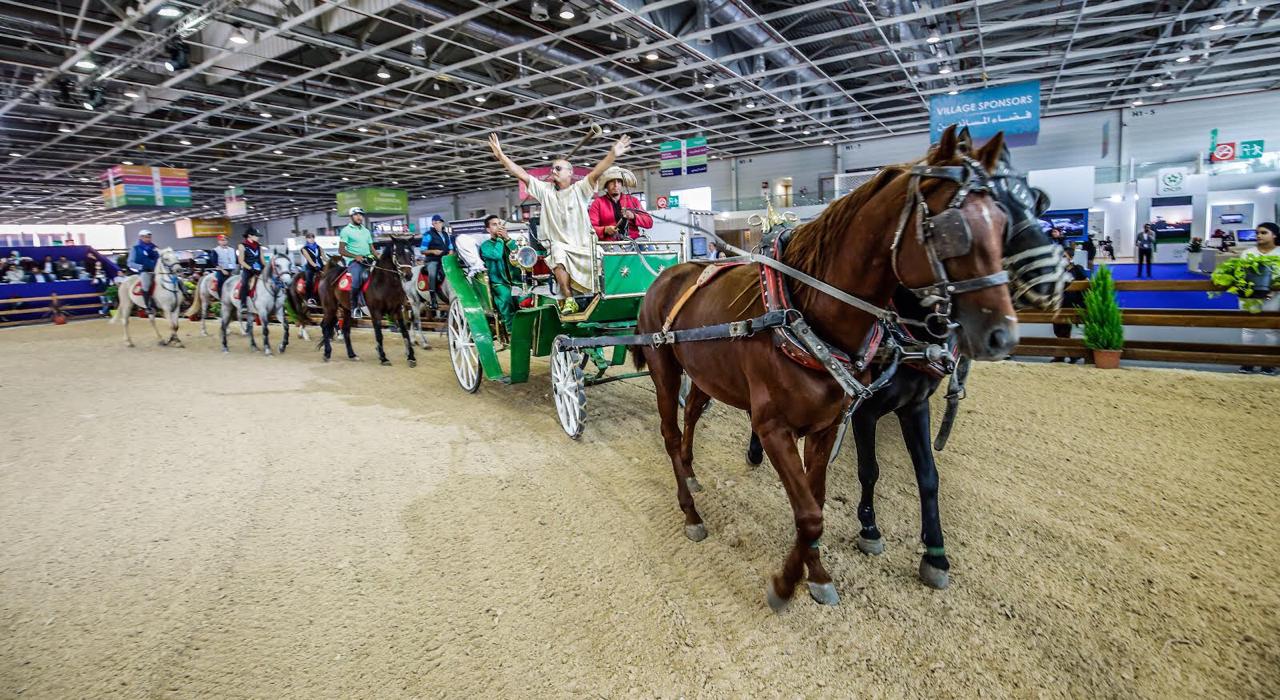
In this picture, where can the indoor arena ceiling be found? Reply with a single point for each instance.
(295, 100)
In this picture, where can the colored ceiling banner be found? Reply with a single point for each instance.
(236, 205)
(145, 186)
(671, 158)
(695, 155)
(374, 200)
(1013, 109)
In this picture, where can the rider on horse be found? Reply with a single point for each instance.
(496, 254)
(312, 261)
(355, 245)
(250, 256)
(142, 259)
(224, 261)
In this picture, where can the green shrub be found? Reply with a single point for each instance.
(1236, 276)
(1103, 323)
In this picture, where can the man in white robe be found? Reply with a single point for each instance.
(565, 221)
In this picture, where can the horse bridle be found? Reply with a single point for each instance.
(944, 235)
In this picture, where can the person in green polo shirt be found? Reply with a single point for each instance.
(496, 254)
(355, 245)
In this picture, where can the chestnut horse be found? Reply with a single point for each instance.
(864, 244)
(384, 296)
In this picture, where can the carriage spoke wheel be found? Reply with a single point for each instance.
(462, 350)
(568, 386)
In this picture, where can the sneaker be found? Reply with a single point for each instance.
(1271, 371)
(1247, 369)
(568, 306)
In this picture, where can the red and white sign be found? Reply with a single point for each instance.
(1223, 151)
(661, 201)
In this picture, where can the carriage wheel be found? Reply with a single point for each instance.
(462, 350)
(568, 386)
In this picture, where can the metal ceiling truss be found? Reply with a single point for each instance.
(299, 112)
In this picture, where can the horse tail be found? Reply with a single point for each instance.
(637, 358)
(197, 300)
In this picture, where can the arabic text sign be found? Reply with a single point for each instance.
(1013, 109)
(671, 158)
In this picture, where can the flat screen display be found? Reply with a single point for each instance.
(1247, 235)
(1074, 223)
(698, 247)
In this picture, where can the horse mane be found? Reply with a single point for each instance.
(813, 243)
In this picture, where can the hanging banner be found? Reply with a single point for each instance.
(236, 206)
(145, 186)
(1013, 109)
(695, 155)
(374, 200)
(202, 228)
(671, 158)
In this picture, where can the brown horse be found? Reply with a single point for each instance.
(864, 244)
(384, 296)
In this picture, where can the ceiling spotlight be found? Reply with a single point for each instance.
(344, 177)
(1218, 24)
(648, 140)
(709, 85)
(438, 140)
(652, 56)
(826, 142)
(566, 11)
(538, 12)
(66, 128)
(953, 91)
(944, 69)
(413, 166)
(480, 99)
(14, 154)
(351, 159)
(1137, 102)
(213, 168)
(362, 129)
(806, 132)
(781, 119)
(84, 179)
(1264, 189)
(750, 104)
(126, 162)
(264, 114)
(384, 72)
(608, 130)
(184, 141)
(237, 36)
(277, 151)
(1157, 83)
(93, 98)
(553, 116)
(934, 37)
(86, 63)
(169, 11)
(1184, 58)
(179, 56)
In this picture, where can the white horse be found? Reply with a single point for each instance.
(204, 298)
(267, 299)
(419, 296)
(166, 297)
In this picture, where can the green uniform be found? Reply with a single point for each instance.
(503, 275)
(358, 239)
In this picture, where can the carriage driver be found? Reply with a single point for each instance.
(355, 245)
(249, 255)
(616, 215)
(496, 253)
(564, 216)
(142, 260)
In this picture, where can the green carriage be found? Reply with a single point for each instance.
(623, 273)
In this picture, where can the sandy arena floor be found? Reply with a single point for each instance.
(175, 522)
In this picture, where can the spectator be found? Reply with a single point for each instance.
(47, 266)
(38, 275)
(1090, 251)
(65, 269)
(1070, 300)
(1145, 245)
(1109, 247)
(1267, 234)
(435, 245)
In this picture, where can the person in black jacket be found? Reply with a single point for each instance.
(1070, 300)
(1090, 251)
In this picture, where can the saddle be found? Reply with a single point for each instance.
(344, 282)
(252, 292)
(213, 285)
(424, 282)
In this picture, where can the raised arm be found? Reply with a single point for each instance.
(516, 171)
(619, 149)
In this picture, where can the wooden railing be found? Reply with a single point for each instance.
(45, 309)
(1160, 350)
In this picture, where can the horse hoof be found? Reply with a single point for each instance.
(824, 593)
(775, 601)
(870, 546)
(692, 483)
(162, 343)
(353, 358)
(754, 459)
(130, 345)
(934, 577)
(226, 351)
(205, 334)
(385, 363)
(413, 363)
(326, 359)
(697, 532)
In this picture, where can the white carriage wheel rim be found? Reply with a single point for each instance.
(565, 390)
(462, 350)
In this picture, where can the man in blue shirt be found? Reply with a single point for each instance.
(142, 260)
(435, 245)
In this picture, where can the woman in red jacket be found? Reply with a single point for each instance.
(615, 215)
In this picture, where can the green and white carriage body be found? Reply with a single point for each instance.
(623, 273)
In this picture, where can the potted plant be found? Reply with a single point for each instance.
(1103, 324)
(1249, 278)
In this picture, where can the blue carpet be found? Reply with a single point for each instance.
(1166, 300)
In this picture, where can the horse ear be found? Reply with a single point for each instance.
(946, 148)
(964, 142)
(991, 153)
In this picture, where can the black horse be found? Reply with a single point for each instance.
(384, 295)
(1037, 278)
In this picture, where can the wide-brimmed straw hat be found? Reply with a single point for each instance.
(617, 172)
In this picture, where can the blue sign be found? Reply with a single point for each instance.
(1013, 109)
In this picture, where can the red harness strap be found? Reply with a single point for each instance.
(777, 296)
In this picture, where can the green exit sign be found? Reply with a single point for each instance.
(1250, 149)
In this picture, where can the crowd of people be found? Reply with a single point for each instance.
(16, 269)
